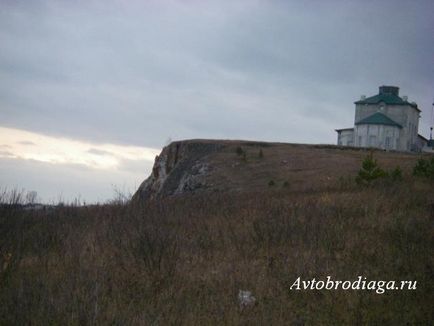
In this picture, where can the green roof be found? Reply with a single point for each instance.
(387, 98)
(378, 119)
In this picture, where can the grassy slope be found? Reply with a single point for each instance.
(303, 167)
(184, 260)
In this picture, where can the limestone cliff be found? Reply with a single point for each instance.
(181, 167)
(193, 166)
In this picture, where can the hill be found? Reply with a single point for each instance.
(194, 166)
(208, 225)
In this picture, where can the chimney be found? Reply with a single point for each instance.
(362, 97)
(391, 90)
(405, 98)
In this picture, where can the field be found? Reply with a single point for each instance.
(184, 259)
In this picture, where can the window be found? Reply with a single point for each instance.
(372, 140)
(387, 143)
(360, 141)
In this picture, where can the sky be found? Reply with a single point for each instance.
(90, 91)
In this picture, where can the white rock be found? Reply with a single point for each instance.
(246, 298)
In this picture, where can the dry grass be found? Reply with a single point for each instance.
(184, 260)
(302, 167)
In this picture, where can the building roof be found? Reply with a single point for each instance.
(378, 119)
(388, 95)
(387, 99)
(344, 129)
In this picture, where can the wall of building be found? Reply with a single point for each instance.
(381, 136)
(406, 115)
(346, 137)
(421, 144)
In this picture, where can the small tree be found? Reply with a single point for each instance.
(239, 150)
(370, 171)
(261, 154)
(424, 168)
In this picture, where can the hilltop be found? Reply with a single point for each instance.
(203, 166)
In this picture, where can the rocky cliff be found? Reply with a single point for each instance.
(181, 167)
(192, 166)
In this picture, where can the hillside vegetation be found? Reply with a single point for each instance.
(198, 166)
(183, 259)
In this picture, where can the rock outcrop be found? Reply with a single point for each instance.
(198, 166)
(181, 167)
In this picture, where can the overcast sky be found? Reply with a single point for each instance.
(91, 90)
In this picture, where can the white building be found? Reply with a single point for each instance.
(384, 121)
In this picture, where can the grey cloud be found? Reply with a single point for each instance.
(136, 72)
(26, 142)
(140, 167)
(6, 154)
(68, 182)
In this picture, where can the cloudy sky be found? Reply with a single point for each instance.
(90, 91)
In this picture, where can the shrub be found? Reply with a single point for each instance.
(271, 183)
(240, 152)
(285, 184)
(244, 157)
(424, 168)
(261, 153)
(370, 171)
